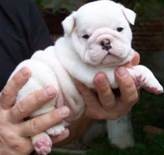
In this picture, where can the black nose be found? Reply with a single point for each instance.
(105, 44)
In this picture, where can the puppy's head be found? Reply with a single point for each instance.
(100, 33)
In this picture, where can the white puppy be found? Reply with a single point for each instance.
(97, 38)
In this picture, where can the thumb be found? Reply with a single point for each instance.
(135, 60)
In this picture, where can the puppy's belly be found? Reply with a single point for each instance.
(41, 76)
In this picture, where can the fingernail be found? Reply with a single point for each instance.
(121, 72)
(25, 71)
(50, 91)
(64, 111)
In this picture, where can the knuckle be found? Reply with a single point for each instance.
(20, 77)
(17, 80)
(18, 112)
(128, 85)
(18, 146)
(21, 147)
(39, 97)
(54, 117)
(20, 108)
(33, 99)
(6, 92)
(34, 126)
(133, 98)
(104, 89)
(105, 93)
(23, 73)
(107, 106)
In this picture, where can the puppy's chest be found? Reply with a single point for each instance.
(88, 75)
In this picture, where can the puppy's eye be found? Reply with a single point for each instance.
(119, 29)
(85, 36)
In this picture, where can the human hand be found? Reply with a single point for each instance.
(105, 104)
(15, 133)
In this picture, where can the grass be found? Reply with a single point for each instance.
(149, 111)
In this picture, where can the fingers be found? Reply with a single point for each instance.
(61, 137)
(129, 94)
(94, 109)
(135, 60)
(106, 96)
(110, 106)
(9, 92)
(43, 122)
(31, 103)
(86, 93)
(90, 100)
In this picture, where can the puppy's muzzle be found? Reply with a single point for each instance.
(105, 46)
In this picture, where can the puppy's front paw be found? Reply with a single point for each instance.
(155, 90)
(153, 86)
(42, 144)
(144, 78)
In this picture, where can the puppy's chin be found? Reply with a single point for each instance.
(111, 60)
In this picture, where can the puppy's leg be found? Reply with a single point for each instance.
(120, 132)
(57, 129)
(144, 78)
(42, 143)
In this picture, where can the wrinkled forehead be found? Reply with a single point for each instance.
(95, 15)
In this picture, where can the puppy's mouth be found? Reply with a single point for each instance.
(110, 58)
(109, 53)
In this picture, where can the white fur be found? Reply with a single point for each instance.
(75, 57)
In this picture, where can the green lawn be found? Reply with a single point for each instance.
(149, 111)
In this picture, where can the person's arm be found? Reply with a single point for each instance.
(22, 32)
(39, 36)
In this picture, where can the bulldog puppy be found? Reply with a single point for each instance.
(97, 38)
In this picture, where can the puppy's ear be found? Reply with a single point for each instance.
(69, 23)
(129, 14)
